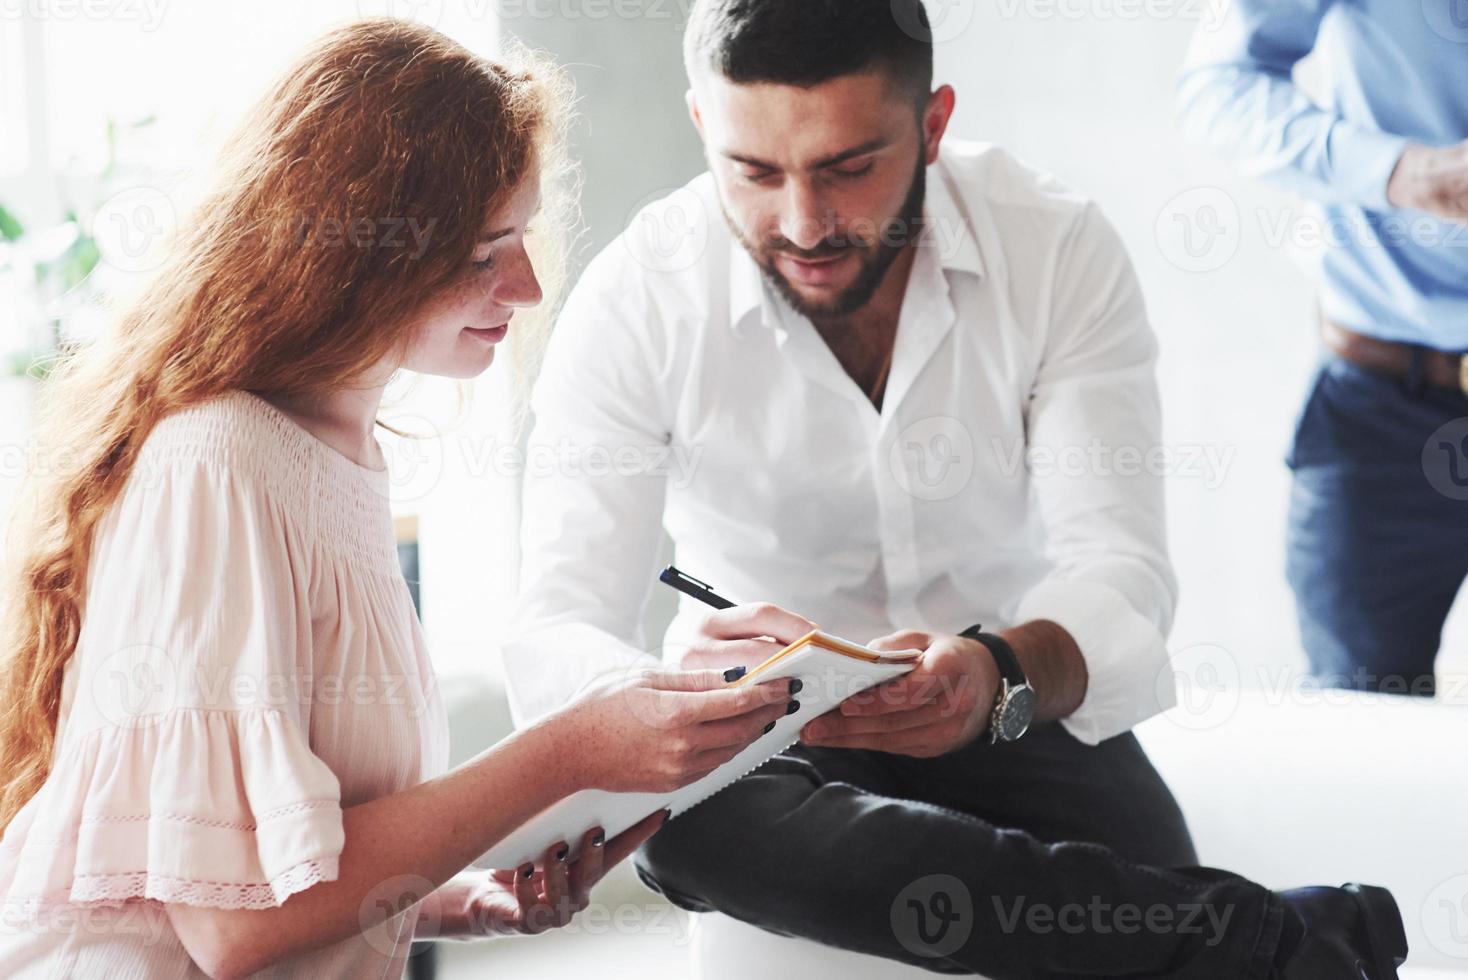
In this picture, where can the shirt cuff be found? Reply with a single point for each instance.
(1363, 161)
(1130, 678)
(547, 669)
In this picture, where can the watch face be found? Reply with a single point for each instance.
(1014, 715)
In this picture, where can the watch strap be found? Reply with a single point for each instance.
(1004, 655)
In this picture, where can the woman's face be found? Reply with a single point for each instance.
(456, 333)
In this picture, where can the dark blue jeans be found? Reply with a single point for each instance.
(1378, 526)
(1045, 858)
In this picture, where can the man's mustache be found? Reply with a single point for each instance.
(825, 250)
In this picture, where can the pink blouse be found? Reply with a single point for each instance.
(249, 664)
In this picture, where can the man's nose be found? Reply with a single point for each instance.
(804, 221)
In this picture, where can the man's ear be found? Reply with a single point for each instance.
(693, 112)
(935, 120)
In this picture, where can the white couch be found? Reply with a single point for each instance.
(1288, 790)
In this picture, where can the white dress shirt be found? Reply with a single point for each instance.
(1009, 476)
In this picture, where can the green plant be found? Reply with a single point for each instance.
(54, 264)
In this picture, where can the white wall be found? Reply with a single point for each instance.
(1083, 90)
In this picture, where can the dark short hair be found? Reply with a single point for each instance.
(806, 42)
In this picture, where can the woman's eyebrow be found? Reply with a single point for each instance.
(493, 236)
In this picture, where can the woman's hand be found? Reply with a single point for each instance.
(530, 900)
(656, 731)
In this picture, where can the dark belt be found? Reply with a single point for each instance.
(1436, 368)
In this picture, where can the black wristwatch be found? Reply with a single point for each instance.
(1014, 708)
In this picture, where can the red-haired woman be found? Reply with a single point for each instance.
(221, 746)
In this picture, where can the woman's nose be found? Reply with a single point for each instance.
(520, 287)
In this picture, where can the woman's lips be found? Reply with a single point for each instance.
(491, 335)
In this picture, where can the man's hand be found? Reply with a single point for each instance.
(744, 636)
(1432, 179)
(940, 705)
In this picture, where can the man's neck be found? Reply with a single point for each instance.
(863, 340)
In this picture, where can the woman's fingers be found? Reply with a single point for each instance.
(706, 679)
(756, 619)
(590, 866)
(619, 848)
(730, 702)
(557, 885)
(740, 732)
(527, 894)
(694, 696)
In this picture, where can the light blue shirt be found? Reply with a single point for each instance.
(1395, 70)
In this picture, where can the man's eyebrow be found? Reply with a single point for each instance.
(871, 146)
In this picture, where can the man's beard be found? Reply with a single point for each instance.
(876, 259)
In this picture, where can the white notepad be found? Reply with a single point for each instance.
(830, 669)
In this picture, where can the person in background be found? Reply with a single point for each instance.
(851, 327)
(222, 746)
(1378, 519)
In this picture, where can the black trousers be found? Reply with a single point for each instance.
(1044, 858)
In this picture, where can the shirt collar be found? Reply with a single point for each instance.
(947, 227)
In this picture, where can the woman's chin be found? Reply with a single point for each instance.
(461, 369)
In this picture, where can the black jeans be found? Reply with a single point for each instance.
(1041, 858)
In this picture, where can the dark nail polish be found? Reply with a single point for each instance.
(734, 673)
(796, 685)
(562, 851)
(527, 871)
(599, 839)
(792, 707)
(768, 728)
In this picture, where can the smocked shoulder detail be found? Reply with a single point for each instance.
(344, 508)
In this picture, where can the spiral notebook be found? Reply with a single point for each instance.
(830, 670)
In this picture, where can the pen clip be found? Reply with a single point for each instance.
(673, 572)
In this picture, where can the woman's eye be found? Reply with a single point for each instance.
(485, 262)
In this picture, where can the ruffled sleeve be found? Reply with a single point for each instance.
(184, 772)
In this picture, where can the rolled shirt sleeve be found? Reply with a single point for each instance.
(1111, 586)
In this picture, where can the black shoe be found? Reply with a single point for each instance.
(1350, 933)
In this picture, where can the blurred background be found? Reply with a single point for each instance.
(111, 111)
